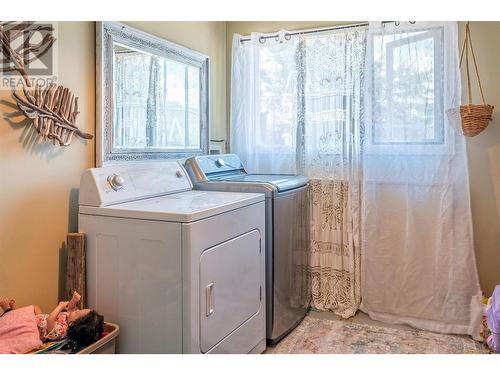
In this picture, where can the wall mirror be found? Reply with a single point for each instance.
(151, 95)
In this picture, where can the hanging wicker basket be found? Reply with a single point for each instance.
(475, 117)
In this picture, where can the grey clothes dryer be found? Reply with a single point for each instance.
(287, 233)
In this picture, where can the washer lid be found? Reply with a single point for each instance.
(182, 207)
(280, 182)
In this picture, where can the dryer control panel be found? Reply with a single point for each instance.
(204, 168)
(123, 183)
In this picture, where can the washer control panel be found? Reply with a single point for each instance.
(207, 164)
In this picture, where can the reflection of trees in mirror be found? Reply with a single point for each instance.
(164, 113)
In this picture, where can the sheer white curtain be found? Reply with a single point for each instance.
(264, 103)
(296, 108)
(418, 262)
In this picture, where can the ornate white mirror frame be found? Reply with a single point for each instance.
(107, 35)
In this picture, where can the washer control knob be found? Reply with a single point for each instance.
(178, 174)
(116, 181)
(220, 162)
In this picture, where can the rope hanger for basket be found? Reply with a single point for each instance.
(465, 50)
(475, 117)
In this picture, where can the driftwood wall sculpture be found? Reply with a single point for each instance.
(53, 110)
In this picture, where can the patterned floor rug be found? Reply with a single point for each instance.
(343, 337)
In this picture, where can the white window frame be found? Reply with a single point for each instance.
(441, 146)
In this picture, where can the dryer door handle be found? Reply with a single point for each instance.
(209, 295)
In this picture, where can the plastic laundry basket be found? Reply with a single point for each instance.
(106, 344)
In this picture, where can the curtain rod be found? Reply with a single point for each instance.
(262, 39)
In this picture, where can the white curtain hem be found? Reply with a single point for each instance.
(472, 329)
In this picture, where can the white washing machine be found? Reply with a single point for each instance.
(181, 271)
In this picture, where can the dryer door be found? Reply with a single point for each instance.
(230, 288)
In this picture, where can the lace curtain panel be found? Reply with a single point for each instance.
(418, 259)
(296, 108)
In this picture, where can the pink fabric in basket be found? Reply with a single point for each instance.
(18, 331)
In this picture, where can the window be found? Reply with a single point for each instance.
(277, 98)
(407, 93)
(305, 81)
(297, 101)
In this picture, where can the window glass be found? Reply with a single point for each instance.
(407, 88)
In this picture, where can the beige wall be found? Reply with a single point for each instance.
(39, 182)
(484, 156)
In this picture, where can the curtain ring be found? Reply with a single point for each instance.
(397, 23)
(262, 39)
(277, 37)
(412, 22)
(288, 36)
